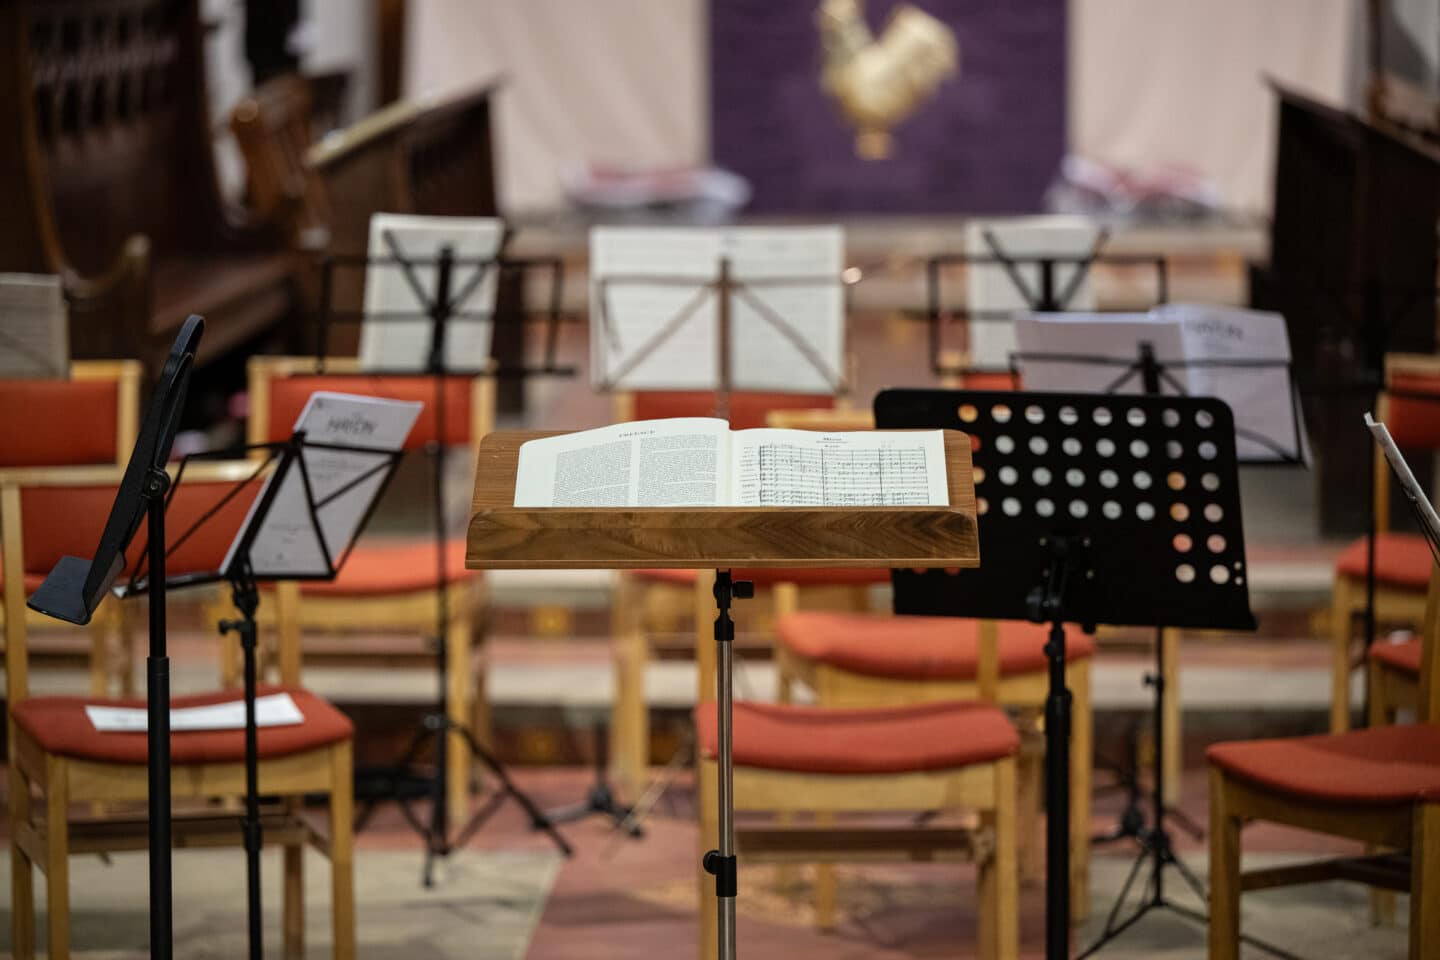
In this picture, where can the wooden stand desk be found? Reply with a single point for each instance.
(505, 537)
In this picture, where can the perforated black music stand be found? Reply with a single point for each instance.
(75, 587)
(1092, 509)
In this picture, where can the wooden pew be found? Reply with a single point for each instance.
(109, 175)
(430, 155)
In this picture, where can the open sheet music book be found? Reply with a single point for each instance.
(1424, 509)
(701, 462)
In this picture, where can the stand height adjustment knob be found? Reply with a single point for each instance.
(744, 589)
(723, 868)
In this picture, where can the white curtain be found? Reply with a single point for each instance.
(1181, 82)
(602, 81)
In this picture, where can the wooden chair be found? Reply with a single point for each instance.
(58, 761)
(273, 128)
(831, 762)
(388, 583)
(650, 606)
(1380, 786)
(90, 420)
(111, 180)
(1410, 407)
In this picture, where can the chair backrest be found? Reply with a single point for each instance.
(45, 515)
(828, 419)
(746, 409)
(1410, 407)
(279, 388)
(88, 420)
(273, 127)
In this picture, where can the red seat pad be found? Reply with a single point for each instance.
(908, 739)
(919, 648)
(1377, 766)
(61, 726)
(1403, 656)
(380, 566)
(1401, 560)
(802, 576)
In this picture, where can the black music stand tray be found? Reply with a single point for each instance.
(439, 309)
(75, 587)
(1093, 509)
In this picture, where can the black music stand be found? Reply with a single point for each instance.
(75, 587)
(1093, 509)
(438, 309)
(243, 579)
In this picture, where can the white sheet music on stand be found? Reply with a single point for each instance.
(762, 357)
(285, 544)
(1191, 342)
(404, 344)
(990, 289)
(1429, 519)
(34, 327)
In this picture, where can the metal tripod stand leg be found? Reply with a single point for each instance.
(1156, 848)
(600, 799)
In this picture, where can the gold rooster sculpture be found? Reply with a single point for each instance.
(878, 83)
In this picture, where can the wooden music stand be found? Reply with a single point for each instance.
(505, 537)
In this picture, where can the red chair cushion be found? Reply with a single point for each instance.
(802, 576)
(1414, 416)
(1377, 766)
(1401, 560)
(381, 567)
(61, 726)
(1403, 656)
(919, 648)
(927, 736)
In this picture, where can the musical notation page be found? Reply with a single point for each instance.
(870, 468)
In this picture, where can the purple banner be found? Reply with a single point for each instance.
(988, 141)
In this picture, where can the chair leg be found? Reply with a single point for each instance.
(825, 884)
(342, 866)
(457, 709)
(1174, 717)
(22, 872)
(1224, 872)
(709, 800)
(1006, 881)
(1382, 902)
(1425, 883)
(629, 717)
(125, 625)
(1082, 762)
(57, 857)
(292, 906)
(101, 655)
(1030, 800)
(1340, 612)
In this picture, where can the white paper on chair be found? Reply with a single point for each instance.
(271, 710)
(762, 357)
(399, 335)
(344, 484)
(1088, 353)
(991, 291)
(34, 327)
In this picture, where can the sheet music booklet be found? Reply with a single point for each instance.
(344, 484)
(701, 462)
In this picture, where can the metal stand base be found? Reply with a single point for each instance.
(435, 833)
(600, 799)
